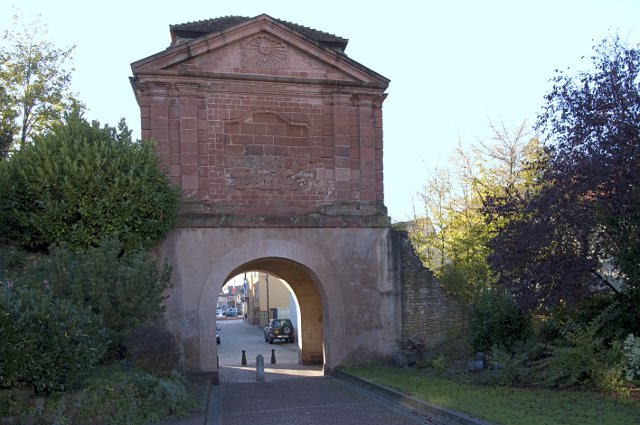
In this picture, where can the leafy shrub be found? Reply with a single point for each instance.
(46, 342)
(152, 348)
(616, 317)
(496, 321)
(126, 289)
(584, 358)
(80, 183)
(118, 396)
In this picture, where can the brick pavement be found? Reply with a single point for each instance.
(303, 401)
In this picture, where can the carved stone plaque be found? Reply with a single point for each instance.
(263, 51)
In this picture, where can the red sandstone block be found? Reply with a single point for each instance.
(189, 158)
(189, 170)
(188, 123)
(369, 185)
(343, 151)
(175, 158)
(368, 195)
(159, 134)
(343, 185)
(277, 130)
(367, 165)
(342, 163)
(158, 111)
(174, 136)
(188, 147)
(242, 139)
(189, 184)
(254, 150)
(163, 158)
(299, 152)
(264, 140)
(189, 111)
(343, 195)
(234, 150)
(188, 135)
(162, 147)
(232, 128)
(173, 124)
(367, 153)
(174, 170)
(342, 174)
(281, 151)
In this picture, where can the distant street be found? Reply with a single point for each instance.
(237, 335)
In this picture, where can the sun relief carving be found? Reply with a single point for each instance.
(263, 51)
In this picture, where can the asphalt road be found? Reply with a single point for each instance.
(236, 335)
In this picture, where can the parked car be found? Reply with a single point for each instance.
(232, 312)
(217, 334)
(279, 329)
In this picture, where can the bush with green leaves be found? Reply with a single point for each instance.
(47, 343)
(584, 358)
(125, 288)
(496, 321)
(80, 183)
(115, 395)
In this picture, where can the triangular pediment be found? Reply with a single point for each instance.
(259, 46)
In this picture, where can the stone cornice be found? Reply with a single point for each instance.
(158, 76)
(343, 215)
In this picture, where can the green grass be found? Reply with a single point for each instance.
(507, 405)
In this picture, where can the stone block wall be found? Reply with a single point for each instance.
(273, 151)
(429, 315)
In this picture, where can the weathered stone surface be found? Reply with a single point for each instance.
(428, 314)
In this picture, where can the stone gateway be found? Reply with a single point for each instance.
(274, 136)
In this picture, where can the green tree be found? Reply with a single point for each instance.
(125, 288)
(8, 127)
(453, 237)
(35, 80)
(80, 183)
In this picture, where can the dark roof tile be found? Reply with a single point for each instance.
(192, 30)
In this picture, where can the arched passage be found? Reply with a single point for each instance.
(289, 261)
(304, 284)
(344, 280)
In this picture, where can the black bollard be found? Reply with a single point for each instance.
(273, 356)
(244, 358)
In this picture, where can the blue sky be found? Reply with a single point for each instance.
(453, 65)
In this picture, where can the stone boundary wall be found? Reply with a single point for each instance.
(429, 315)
